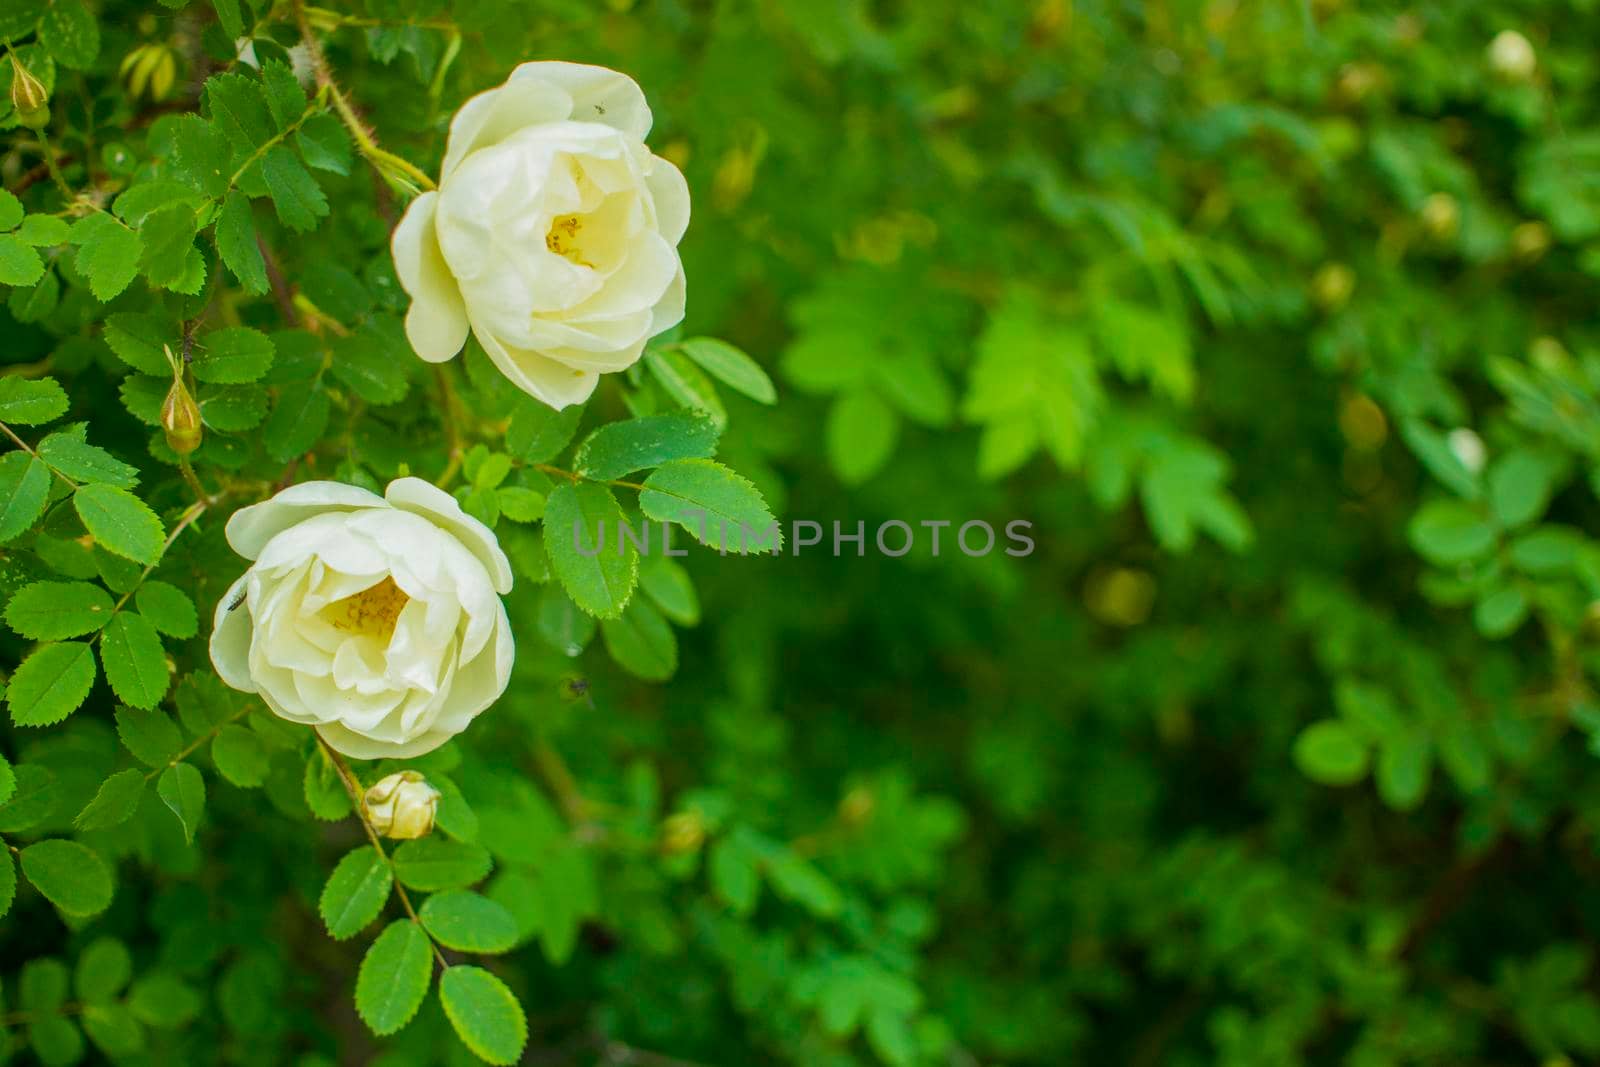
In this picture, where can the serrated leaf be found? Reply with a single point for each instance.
(73, 878)
(432, 864)
(8, 781)
(670, 587)
(716, 506)
(11, 210)
(240, 756)
(285, 99)
(168, 608)
(297, 420)
(114, 803)
(295, 194)
(465, 921)
(394, 977)
(51, 683)
(484, 1014)
(324, 144)
(120, 522)
(8, 882)
(239, 107)
(68, 453)
(365, 361)
(230, 18)
(31, 403)
(232, 355)
(108, 254)
(34, 801)
(50, 611)
(201, 155)
(134, 661)
(583, 531)
(183, 790)
(619, 448)
(43, 231)
(139, 341)
(19, 263)
(861, 432)
(24, 489)
(151, 736)
(355, 892)
(236, 243)
(103, 970)
(537, 434)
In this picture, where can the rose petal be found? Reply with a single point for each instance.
(436, 324)
(436, 505)
(230, 638)
(251, 528)
(541, 378)
(598, 94)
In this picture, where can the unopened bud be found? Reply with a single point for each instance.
(401, 806)
(28, 97)
(180, 419)
(683, 832)
(1512, 57)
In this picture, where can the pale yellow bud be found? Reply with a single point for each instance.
(1512, 57)
(401, 806)
(180, 419)
(28, 97)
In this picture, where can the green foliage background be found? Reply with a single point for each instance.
(1276, 321)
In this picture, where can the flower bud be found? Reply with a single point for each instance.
(401, 806)
(28, 97)
(1512, 57)
(683, 832)
(180, 418)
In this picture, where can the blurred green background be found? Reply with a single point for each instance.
(1276, 319)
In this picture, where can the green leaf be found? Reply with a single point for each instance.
(686, 383)
(50, 611)
(120, 522)
(365, 361)
(734, 870)
(232, 355)
(1448, 532)
(35, 304)
(51, 684)
(151, 736)
(1329, 752)
(597, 577)
(394, 977)
(324, 145)
(19, 263)
(641, 642)
(295, 193)
(168, 608)
(432, 864)
(1501, 612)
(229, 18)
(463, 920)
(732, 367)
(24, 489)
(43, 231)
(793, 878)
(1405, 765)
(70, 876)
(716, 506)
(484, 1013)
(239, 107)
(34, 801)
(860, 433)
(201, 155)
(108, 253)
(537, 434)
(134, 661)
(236, 243)
(620, 448)
(183, 790)
(668, 584)
(139, 340)
(8, 882)
(285, 99)
(31, 403)
(70, 34)
(162, 1000)
(324, 789)
(8, 781)
(240, 756)
(103, 970)
(520, 504)
(356, 892)
(1521, 484)
(114, 803)
(11, 210)
(68, 453)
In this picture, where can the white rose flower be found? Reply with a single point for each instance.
(377, 620)
(401, 806)
(553, 235)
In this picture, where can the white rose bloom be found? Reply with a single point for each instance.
(377, 620)
(553, 235)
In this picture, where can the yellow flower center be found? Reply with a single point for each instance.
(370, 613)
(563, 239)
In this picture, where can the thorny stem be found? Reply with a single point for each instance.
(353, 788)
